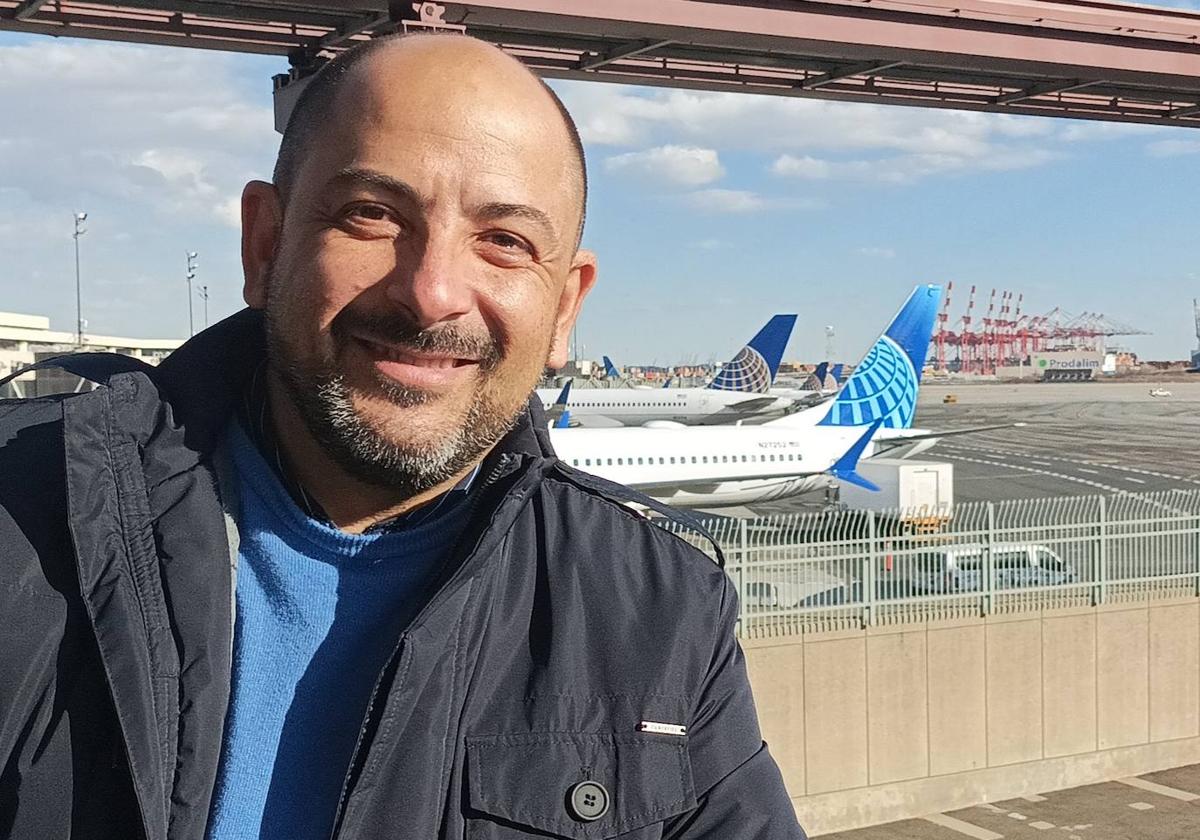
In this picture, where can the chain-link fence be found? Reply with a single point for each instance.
(843, 569)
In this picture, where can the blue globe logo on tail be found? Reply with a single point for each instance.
(748, 371)
(884, 385)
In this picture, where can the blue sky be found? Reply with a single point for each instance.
(709, 211)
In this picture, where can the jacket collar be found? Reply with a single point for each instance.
(203, 379)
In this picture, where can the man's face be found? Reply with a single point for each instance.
(426, 271)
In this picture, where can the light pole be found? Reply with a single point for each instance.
(192, 265)
(80, 230)
(203, 292)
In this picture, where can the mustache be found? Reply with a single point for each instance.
(396, 329)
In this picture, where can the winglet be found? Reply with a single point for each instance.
(558, 415)
(610, 370)
(846, 467)
(753, 369)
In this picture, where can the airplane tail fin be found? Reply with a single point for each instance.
(884, 385)
(753, 369)
(836, 373)
(668, 382)
(819, 375)
(610, 370)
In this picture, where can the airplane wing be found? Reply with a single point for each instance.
(752, 405)
(889, 439)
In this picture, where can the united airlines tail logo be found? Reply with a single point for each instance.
(747, 372)
(883, 386)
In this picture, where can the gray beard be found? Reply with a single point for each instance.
(326, 406)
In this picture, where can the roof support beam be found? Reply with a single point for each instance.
(1045, 89)
(27, 9)
(617, 53)
(1189, 111)
(868, 68)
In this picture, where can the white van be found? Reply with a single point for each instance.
(1014, 565)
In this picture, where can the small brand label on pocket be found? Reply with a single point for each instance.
(662, 728)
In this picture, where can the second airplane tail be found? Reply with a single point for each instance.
(753, 369)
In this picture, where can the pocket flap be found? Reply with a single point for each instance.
(528, 778)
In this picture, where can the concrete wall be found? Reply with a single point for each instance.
(888, 723)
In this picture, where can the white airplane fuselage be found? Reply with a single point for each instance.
(711, 467)
(688, 406)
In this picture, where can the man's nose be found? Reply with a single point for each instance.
(434, 285)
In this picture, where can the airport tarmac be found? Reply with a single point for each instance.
(1081, 438)
(1156, 806)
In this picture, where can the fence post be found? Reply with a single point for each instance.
(988, 567)
(740, 580)
(1100, 588)
(868, 574)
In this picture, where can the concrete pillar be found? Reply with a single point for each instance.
(1174, 672)
(897, 707)
(957, 699)
(835, 703)
(1069, 684)
(1014, 691)
(777, 675)
(1122, 677)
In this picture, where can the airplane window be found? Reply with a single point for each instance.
(639, 462)
(672, 459)
(610, 462)
(662, 460)
(693, 459)
(587, 461)
(743, 459)
(620, 461)
(574, 462)
(704, 459)
(724, 459)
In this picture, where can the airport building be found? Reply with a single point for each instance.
(26, 339)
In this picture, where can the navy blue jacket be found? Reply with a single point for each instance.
(562, 621)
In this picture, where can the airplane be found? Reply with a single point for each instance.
(753, 370)
(737, 465)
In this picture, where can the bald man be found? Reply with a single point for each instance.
(319, 574)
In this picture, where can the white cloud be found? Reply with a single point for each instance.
(1173, 148)
(718, 200)
(876, 251)
(907, 169)
(690, 166)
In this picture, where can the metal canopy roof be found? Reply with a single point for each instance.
(1074, 58)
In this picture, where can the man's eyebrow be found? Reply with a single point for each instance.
(374, 178)
(498, 210)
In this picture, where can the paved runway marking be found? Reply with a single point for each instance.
(1033, 797)
(1161, 790)
(1036, 471)
(993, 808)
(1041, 825)
(1089, 472)
(963, 827)
(1134, 480)
(1017, 816)
(1141, 806)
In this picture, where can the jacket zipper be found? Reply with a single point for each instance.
(358, 757)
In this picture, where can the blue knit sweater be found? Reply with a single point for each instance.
(319, 612)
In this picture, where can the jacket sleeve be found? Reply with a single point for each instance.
(738, 786)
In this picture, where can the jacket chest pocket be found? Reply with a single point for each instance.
(576, 785)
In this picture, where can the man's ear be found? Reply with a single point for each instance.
(579, 282)
(262, 219)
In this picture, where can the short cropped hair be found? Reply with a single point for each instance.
(318, 97)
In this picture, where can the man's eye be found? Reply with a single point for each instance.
(370, 212)
(509, 242)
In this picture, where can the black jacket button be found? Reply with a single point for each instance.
(588, 801)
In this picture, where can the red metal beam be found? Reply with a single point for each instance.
(1078, 58)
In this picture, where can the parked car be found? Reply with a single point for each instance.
(1014, 565)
